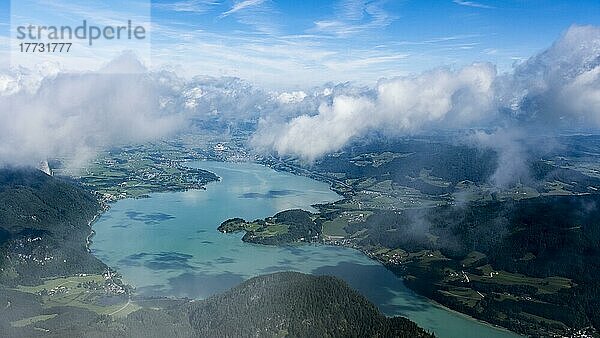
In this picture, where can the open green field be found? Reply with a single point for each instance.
(335, 227)
(425, 176)
(32, 320)
(377, 159)
(272, 230)
(55, 283)
(472, 258)
(79, 291)
(467, 296)
(548, 285)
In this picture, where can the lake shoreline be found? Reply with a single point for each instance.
(361, 252)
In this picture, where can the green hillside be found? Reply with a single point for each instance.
(44, 226)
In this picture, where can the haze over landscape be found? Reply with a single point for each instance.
(458, 141)
(554, 90)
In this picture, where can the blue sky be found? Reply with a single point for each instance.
(300, 43)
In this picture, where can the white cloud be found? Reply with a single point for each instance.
(29, 80)
(560, 86)
(192, 97)
(241, 6)
(398, 106)
(368, 61)
(312, 136)
(556, 89)
(582, 96)
(293, 97)
(355, 16)
(511, 147)
(258, 14)
(49, 113)
(8, 85)
(73, 114)
(193, 6)
(472, 4)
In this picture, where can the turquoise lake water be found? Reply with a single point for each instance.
(168, 245)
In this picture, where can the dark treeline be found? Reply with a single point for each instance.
(43, 227)
(538, 237)
(297, 305)
(452, 163)
(277, 305)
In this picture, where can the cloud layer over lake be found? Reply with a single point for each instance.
(47, 113)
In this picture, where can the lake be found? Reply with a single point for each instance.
(168, 245)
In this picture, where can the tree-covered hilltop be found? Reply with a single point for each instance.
(284, 304)
(285, 227)
(44, 227)
(296, 305)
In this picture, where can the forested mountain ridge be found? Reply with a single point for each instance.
(296, 305)
(44, 227)
(523, 255)
(284, 304)
(526, 265)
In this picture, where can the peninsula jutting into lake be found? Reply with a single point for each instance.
(194, 260)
